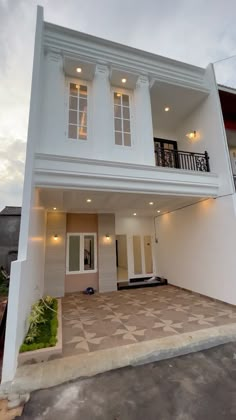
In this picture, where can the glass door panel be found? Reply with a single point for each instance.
(137, 255)
(148, 254)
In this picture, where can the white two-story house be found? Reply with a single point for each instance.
(127, 175)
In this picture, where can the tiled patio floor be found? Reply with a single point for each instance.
(107, 320)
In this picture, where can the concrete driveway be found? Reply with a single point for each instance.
(192, 387)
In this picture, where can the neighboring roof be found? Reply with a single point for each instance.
(11, 211)
(229, 89)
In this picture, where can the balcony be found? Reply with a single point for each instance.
(181, 159)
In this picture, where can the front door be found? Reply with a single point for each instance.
(166, 152)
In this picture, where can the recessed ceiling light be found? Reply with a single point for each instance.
(54, 208)
(78, 69)
(134, 214)
(124, 80)
(158, 211)
(167, 108)
(151, 203)
(88, 200)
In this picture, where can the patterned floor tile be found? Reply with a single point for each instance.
(107, 320)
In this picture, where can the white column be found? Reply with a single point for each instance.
(143, 121)
(102, 120)
(53, 106)
(107, 253)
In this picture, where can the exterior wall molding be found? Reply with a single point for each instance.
(101, 70)
(143, 81)
(75, 44)
(106, 176)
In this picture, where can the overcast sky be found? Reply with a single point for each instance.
(194, 31)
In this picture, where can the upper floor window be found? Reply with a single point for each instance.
(122, 119)
(78, 110)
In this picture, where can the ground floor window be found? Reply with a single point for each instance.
(81, 253)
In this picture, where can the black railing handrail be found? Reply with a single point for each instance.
(182, 159)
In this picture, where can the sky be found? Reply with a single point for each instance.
(194, 31)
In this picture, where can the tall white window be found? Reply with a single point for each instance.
(122, 119)
(81, 253)
(78, 110)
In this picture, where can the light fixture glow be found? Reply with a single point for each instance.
(167, 108)
(134, 214)
(107, 237)
(158, 211)
(55, 237)
(124, 80)
(79, 70)
(89, 200)
(151, 203)
(118, 95)
(54, 208)
(192, 134)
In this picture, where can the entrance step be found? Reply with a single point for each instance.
(137, 283)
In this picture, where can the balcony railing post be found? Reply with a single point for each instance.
(207, 161)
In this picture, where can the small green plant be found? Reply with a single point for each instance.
(43, 325)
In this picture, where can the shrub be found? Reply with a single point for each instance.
(43, 325)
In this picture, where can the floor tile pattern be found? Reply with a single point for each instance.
(106, 320)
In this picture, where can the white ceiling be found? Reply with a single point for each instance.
(181, 101)
(74, 201)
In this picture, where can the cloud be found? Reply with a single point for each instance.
(12, 163)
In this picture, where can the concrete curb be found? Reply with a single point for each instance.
(33, 377)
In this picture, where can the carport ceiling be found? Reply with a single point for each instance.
(74, 201)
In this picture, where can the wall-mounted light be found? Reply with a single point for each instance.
(55, 237)
(192, 134)
(107, 236)
(54, 208)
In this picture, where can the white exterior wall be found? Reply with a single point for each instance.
(26, 284)
(207, 121)
(196, 248)
(101, 140)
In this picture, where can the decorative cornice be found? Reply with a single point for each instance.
(86, 174)
(98, 50)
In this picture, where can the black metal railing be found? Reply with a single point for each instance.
(182, 160)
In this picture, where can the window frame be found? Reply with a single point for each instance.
(88, 85)
(81, 235)
(129, 93)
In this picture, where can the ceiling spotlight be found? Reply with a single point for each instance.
(79, 70)
(167, 108)
(88, 200)
(124, 80)
(134, 214)
(158, 211)
(151, 203)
